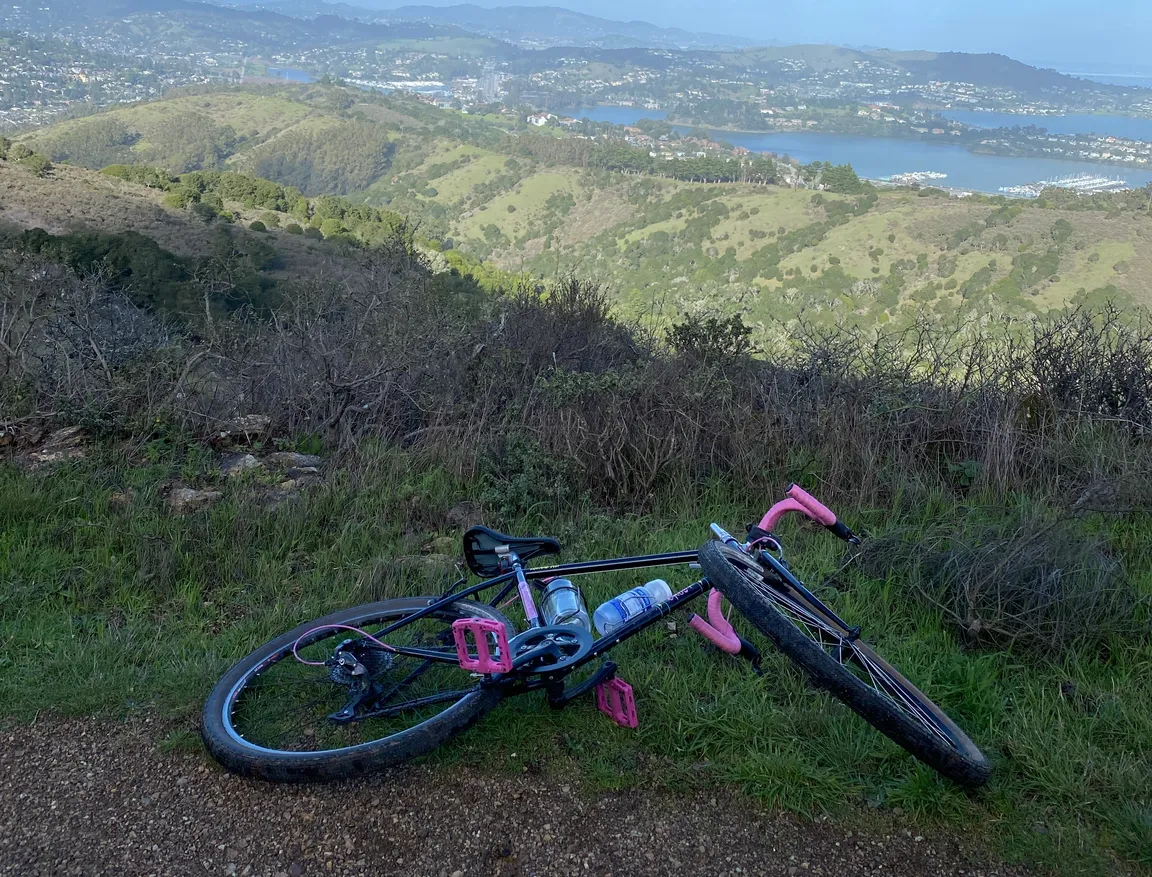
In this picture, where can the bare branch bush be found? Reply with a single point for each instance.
(543, 391)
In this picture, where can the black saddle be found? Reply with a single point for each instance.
(485, 550)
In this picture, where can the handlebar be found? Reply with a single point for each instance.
(799, 500)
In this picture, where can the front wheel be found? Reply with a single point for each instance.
(325, 702)
(836, 660)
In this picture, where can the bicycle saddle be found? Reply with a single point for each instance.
(484, 549)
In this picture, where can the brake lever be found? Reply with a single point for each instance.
(841, 529)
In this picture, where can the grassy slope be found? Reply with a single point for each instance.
(74, 199)
(609, 221)
(125, 608)
(247, 113)
(527, 198)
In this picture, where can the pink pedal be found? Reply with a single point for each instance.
(614, 699)
(482, 629)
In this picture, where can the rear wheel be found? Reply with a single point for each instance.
(346, 706)
(837, 660)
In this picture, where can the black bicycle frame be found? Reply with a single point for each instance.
(508, 581)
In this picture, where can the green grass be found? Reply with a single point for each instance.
(245, 112)
(528, 198)
(113, 606)
(778, 207)
(456, 185)
(1084, 272)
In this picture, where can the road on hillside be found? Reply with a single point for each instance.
(97, 799)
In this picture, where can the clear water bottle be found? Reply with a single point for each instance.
(615, 612)
(562, 603)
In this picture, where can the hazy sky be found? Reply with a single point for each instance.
(1068, 31)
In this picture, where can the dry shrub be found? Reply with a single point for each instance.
(379, 346)
(1035, 584)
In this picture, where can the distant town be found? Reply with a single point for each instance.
(56, 64)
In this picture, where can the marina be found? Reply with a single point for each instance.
(914, 178)
(1084, 184)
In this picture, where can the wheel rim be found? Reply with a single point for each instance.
(851, 653)
(287, 707)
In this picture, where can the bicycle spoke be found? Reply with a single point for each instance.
(839, 644)
(275, 709)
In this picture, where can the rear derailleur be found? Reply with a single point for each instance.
(356, 663)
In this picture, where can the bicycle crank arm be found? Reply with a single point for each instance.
(559, 696)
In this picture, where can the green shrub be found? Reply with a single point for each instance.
(257, 225)
(37, 163)
(331, 227)
(202, 210)
(293, 228)
(181, 198)
(153, 178)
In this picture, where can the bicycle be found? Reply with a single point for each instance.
(408, 674)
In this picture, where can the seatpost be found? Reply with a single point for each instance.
(509, 557)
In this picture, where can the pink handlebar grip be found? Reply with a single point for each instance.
(719, 632)
(816, 510)
(769, 521)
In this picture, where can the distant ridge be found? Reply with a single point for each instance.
(526, 25)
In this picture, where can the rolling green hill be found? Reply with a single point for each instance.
(526, 201)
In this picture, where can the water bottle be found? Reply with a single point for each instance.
(563, 604)
(615, 612)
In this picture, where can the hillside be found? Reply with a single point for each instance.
(999, 472)
(183, 335)
(200, 26)
(537, 203)
(552, 25)
(527, 25)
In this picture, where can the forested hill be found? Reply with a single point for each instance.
(558, 26)
(766, 239)
(200, 26)
(992, 70)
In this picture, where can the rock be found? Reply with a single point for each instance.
(62, 445)
(444, 545)
(300, 483)
(463, 515)
(298, 472)
(237, 464)
(247, 426)
(429, 565)
(277, 496)
(291, 459)
(184, 500)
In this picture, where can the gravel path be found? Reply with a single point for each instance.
(97, 799)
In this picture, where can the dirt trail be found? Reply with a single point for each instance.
(97, 799)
